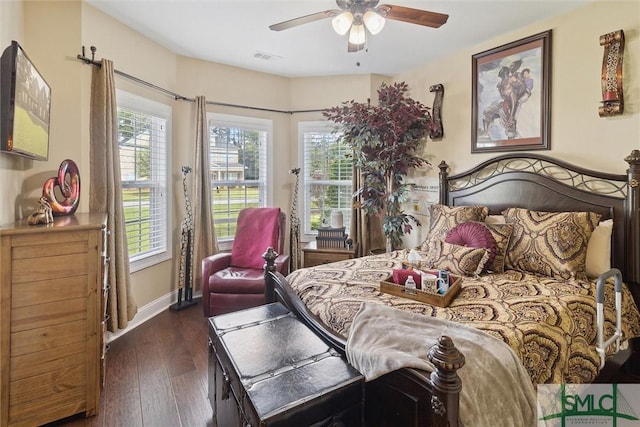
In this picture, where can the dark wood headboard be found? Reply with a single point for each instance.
(541, 183)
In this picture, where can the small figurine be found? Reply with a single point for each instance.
(43, 215)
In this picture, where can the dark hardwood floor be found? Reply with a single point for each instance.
(156, 375)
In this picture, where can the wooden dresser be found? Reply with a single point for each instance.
(51, 319)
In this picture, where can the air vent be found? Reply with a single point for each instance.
(266, 56)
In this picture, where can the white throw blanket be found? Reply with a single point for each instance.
(496, 390)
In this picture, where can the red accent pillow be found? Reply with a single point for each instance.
(473, 235)
(257, 229)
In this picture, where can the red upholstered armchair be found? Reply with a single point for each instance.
(233, 281)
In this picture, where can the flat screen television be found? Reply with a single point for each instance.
(25, 104)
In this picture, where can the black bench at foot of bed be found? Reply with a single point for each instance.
(398, 398)
(266, 368)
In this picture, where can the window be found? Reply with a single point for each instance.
(143, 137)
(238, 167)
(326, 176)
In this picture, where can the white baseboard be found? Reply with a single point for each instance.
(147, 312)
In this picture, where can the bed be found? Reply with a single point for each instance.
(544, 310)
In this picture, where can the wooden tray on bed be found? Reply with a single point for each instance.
(426, 296)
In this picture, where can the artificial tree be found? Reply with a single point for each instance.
(385, 139)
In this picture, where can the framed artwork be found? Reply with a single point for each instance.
(511, 103)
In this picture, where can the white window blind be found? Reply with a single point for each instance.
(326, 176)
(143, 133)
(238, 148)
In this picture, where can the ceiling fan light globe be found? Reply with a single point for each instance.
(342, 22)
(373, 22)
(357, 35)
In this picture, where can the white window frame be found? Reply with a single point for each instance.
(147, 106)
(303, 198)
(266, 170)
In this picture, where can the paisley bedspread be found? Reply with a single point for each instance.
(549, 323)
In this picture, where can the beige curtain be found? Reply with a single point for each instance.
(205, 241)
(366, 230)
(105, 193)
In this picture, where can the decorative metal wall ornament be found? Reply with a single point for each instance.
(68, 184)
(612, 99)
(185, 275)
(436, 131)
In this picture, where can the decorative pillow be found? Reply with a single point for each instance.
(473, 235)
(599, 249)
(460, 260)
(501, 234)
(444, 218)
(550, 243)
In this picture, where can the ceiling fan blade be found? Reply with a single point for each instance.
(413, 16)
(304, 19)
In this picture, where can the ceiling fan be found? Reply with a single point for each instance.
(356, 15)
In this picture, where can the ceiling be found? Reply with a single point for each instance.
(236, 32)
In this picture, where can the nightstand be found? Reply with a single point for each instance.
(312, 255)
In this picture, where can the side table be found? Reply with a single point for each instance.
(312, 255)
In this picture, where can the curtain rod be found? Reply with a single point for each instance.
(176, 96)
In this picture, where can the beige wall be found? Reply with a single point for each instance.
(230, 85)
(53, 31)
(578, 134)
(136, 55)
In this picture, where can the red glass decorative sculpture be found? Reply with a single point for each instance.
(68, 184)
